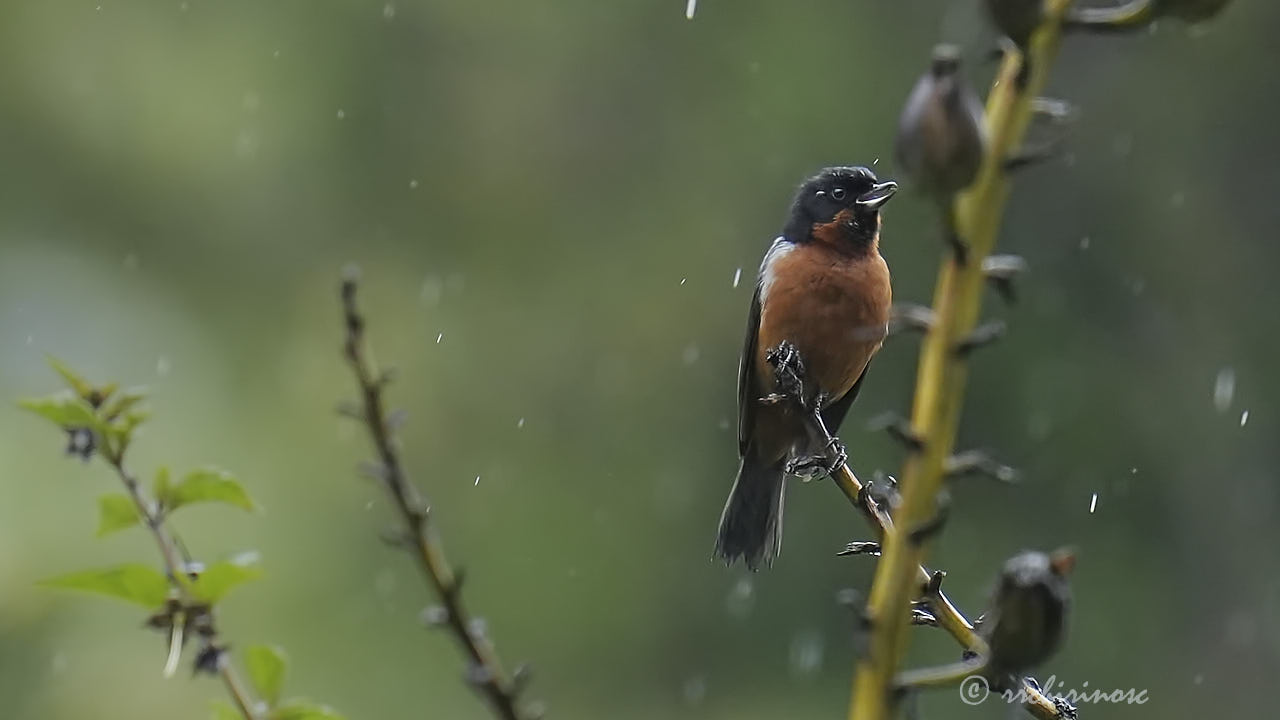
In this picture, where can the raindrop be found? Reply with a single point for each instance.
(1198, 679)
(1093, 504)
(1224, 389)
(413, 184)
(742, 598)
(520, 423)
(682, 280)
(59, 663)
(724, 423)
(690, 354)
(1244, 416)
(439, 338)
(432, 290)
(477, 482)
(1122, 144)
(737, 277)
(695, 688)
(690, 9)
(131, 262)
(1178, 199)
(385, 583)
(30, 339)
(875, 162)
(389, 11)
(368, 505)
(163, 366)
(1084, 243)
(806, 653)
(341, 113)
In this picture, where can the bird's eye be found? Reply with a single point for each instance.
(837, 193)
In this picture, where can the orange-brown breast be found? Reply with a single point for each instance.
(834, 307)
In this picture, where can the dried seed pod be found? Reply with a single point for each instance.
(941, 137)
(1028, 617)
(1016, 19)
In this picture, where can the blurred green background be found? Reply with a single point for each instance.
(549, 201)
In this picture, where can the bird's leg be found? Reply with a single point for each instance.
(788, 370)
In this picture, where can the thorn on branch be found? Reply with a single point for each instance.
(971, 462)
(983, 335)
(899, 428)
(932, 526)
(396, 538)
(520, 677)
(1000, 271)
(934, 588)
(351, 410)
(860, 547)
(435, 616)
(911, 317)
(1058, 111)
(372, 470)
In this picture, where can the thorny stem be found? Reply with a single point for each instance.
(154, 520)
(486, 671)
(940, 381)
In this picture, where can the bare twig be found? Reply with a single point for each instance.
(485, 670)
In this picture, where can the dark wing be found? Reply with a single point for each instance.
(834, 413)
(748, 389)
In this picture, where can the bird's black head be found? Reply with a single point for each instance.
(839, 206)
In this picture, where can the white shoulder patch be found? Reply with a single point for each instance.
(780, 247)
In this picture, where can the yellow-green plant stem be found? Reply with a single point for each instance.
(941, 375)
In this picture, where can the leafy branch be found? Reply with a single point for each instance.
(100, 422)
(485, 671)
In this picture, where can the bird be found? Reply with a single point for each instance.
(942, 136)
(824, 289)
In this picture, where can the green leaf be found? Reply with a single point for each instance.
(223, 711)
(206, 485)
(79, 385)
(266, 666)
(116, 511)
(219, 578)
(304, 710)
(160, 485)
(140, 584)
(63, 408)
(122, 403)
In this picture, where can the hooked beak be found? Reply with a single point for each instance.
(878, 195)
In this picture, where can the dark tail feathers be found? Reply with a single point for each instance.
(751, 524)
